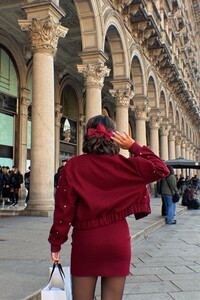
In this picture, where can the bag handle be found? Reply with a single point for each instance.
(59, 266)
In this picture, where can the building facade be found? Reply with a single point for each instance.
(62, 62)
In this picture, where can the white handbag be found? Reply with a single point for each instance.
(59, 286)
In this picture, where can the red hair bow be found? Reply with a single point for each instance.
(100, 131)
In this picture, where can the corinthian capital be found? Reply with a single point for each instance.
(154, 122)
(164, 129)
(122, 96)
(94, 74)
(43, 34)
(178, 139)
(141, 112)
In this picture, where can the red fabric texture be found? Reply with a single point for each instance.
(103, 251)
(96, 190)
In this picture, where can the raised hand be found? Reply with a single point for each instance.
(123, 140)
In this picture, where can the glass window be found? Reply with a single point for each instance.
(29, 135)
(6, 130)
(68, 131)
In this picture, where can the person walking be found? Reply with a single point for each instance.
(16, 179)
(57, 175)
(27, 183)
(169, 187)
(96, 192)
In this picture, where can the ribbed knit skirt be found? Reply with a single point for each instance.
(103, 251)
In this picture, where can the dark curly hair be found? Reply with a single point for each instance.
(100, 145)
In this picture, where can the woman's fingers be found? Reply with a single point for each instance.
(123, 139)
(55, 256)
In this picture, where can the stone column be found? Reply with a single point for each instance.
(24, 103)
(44, 31)
(183, 149)
(154, 124)
(81, 133)
(58, 116)
(187, 150)
(122, 97)
(141, 118)
(94, 75)
(191, 158)
(172, 144)
(178, 146)
(164, 150)
(178, 150)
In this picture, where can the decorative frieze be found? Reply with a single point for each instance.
(43, 34)
(94, 74)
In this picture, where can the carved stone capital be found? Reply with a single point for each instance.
(94, 74)
(154, 122)
(141, 112)
(58, 114)
(122, 96)
(178, 139)
(43, 34)
(164, 129)
(24, 104)
(172, 134)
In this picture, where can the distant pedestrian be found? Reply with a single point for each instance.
(168, 189)
(27, 183)
(159, 190)
(1, 182)
(96, 191)
(16, 179)
(6, 185)
(57, 175)
(181, 183)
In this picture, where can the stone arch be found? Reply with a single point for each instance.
(137, 76)
(136, 51)
(12, 47)
(187, 131)
(163, 104)
(70, 81)
(152, 74)
(171, 113)
(114, 36)
(178, 119)
(152, 92)
(90, 18)
(183, 126)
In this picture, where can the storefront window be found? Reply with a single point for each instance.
(6, 139)
(68, 124)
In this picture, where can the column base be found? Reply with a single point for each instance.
(44, 209)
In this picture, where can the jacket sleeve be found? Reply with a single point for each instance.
(65, 205)
(149, 165)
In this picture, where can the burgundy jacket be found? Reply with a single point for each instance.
(98, 189)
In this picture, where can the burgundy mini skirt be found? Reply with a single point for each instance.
(103, 251)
